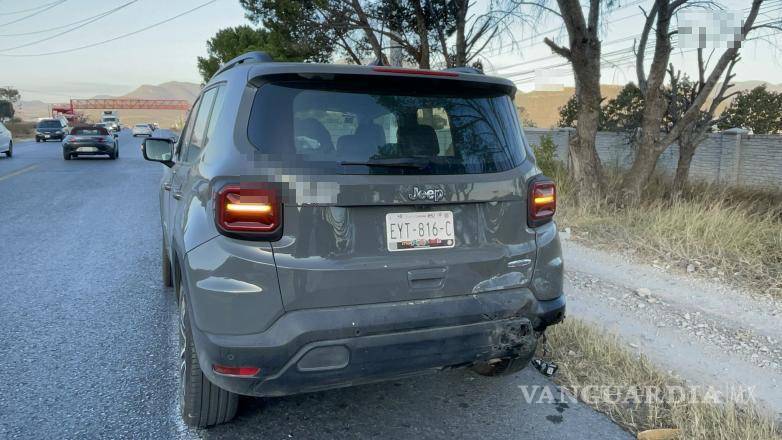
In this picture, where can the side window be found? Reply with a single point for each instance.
(216, 109)
(187, 131)
(196, 137)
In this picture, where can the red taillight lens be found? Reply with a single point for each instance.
(247, 210)
(542, 203)
(236, 371)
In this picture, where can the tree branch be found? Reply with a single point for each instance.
(559, 50)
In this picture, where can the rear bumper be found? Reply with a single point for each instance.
(51, 137)
(101, 148)
(316, 349)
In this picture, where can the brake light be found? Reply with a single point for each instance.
(414, 71)
(235, 371)
(542, 203)
(242, 209)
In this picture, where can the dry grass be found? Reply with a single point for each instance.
(734, 235)
(21, 130)
(588, 357)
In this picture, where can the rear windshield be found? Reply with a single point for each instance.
(51, 123)
(398, 131)
(142, 126)
(89, 131)
(109, 119)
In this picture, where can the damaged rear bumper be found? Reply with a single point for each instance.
(317, 349)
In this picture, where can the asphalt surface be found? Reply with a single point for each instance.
(88, 343)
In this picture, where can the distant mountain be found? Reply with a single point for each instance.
(170, 90)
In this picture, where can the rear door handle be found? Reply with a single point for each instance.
(167, 186)
(177, 195)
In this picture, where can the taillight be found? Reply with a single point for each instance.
(248, 211)
(69, 138)
(542, 202)
(236, 371)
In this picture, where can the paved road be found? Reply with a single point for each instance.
(87, 334)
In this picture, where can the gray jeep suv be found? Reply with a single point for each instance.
(333, 225)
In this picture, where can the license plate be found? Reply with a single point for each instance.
(408, 231)
(86, 150)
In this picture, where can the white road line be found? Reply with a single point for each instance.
(18, 172)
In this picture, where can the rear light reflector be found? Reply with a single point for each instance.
(236, 371)
(542, 202)
(244, 209)
(414, 71)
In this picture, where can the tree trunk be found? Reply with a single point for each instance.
(461, 23)
(423, 36)
(587, 168)
(687, 148)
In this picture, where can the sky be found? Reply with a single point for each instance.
(168, 52)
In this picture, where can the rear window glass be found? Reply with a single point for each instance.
(89, 131)
(371, 132)
(51, 123)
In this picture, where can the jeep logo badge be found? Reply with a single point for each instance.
(434, 195)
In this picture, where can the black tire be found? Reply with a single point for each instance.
(37, 140)
(113, 155)
(10, 152)
(504, 367)
(116, 151)
(202, 404)
(66, 156)
(168, 279)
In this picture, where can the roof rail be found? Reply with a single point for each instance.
(256, 57)
(464, 69)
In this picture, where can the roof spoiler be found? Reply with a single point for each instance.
(464, 69)
(255, 57)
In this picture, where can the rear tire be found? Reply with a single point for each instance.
(10, 151)
(202, 403)
(66, 156)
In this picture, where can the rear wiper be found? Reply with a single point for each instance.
(391, 163)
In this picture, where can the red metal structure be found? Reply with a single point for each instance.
(120, 104)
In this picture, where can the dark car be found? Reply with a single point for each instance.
(50, 129)
(331, 225)
(90, 140)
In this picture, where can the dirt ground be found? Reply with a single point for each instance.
(703, 331)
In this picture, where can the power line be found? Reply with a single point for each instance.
(45, 8)
(27, 10)
(57, 52)
(106, 14)
(43, 31)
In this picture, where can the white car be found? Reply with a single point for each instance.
(6, 141)
(142, 130)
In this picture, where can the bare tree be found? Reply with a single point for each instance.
(682, 95)
(651, 142)
(583, 52)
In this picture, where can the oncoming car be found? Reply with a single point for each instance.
(141, 130)
(332, 225)
(90, 140)
(50, 129)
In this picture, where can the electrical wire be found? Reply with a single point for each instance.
(72, 29)
(43, 31)
(45, 8)
(27, 10)
(119, 37)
